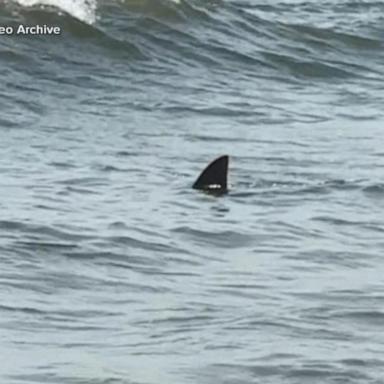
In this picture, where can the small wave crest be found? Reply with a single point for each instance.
(84, 10)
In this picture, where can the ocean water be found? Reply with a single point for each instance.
(114, 271)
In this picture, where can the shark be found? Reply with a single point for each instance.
(214, 178)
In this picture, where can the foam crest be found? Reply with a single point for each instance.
(84, 10)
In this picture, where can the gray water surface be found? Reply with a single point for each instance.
(113, 270)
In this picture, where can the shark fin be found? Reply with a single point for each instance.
(214, 177)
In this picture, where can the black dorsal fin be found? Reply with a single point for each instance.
(214, 177)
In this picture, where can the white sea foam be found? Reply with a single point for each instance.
(84, 10)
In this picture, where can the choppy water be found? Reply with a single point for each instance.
(112, 270)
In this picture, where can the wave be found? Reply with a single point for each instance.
(253, 40)
(84, 10)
